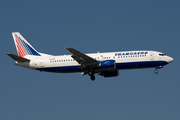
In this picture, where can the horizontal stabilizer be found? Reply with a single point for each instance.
(18, 58)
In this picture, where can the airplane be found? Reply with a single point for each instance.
(105, 64)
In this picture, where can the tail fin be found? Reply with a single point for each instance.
(22, 46)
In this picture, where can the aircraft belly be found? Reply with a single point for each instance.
(142, 64)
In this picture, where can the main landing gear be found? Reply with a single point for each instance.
(91, 74)
(92, 77)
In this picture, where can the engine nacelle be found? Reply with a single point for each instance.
(111, 73)
(108, 64)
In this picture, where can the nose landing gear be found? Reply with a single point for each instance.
(156, 71)
(158, 67)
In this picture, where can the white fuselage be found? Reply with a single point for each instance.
(123, 60)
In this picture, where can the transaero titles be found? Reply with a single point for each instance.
(131, 53)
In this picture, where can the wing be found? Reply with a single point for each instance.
(83, 59)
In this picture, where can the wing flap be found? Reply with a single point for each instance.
(18, 58)
(78, 59)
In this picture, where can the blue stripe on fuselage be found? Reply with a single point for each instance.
(64, 69)
(134, 65)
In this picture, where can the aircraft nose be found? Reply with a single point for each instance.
(170, 59)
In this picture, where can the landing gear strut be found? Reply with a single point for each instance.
(91, 73)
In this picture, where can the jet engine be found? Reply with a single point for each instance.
(108, 64)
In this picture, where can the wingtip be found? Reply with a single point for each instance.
(68, 48)
(8, 53)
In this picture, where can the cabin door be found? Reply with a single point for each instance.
(42, 63)
(152, 55)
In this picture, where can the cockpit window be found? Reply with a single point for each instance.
(162, 54)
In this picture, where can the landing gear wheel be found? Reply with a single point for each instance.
(92, 77)
(156, 72)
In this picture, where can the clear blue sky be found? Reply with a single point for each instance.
(90, 26)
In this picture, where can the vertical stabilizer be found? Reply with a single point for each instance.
(22, 46)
